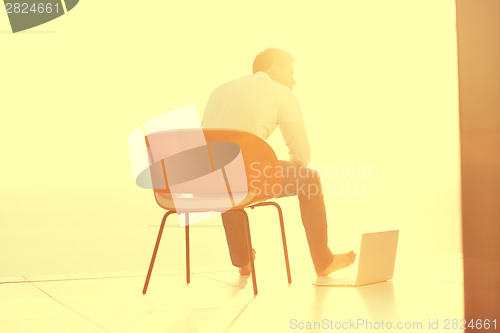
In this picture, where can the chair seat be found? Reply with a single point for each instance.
(217, 202)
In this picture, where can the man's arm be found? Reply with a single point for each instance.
(292, 127)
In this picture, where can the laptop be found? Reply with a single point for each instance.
(376, 260)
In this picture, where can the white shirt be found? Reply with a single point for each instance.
(257, 104)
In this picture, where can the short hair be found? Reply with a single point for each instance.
(264, 60)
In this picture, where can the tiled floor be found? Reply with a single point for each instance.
(219, 300)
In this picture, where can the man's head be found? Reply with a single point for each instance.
(277, 64)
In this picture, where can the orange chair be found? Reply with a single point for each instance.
(201, 170)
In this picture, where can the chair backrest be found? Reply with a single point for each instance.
(197, 170)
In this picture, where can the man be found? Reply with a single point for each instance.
(257, 104)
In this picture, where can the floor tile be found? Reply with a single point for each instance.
(102, 275)
(12, 279)
(446, 270)
(22, 301)
(124, 295)
(73, 324)
(185, 321)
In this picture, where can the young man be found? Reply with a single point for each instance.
(257, 104)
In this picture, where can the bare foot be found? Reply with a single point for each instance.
(247, 270)
(340, 261)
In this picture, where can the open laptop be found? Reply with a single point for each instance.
(376, 260)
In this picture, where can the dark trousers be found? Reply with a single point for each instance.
(306, 184)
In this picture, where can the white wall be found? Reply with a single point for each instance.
(377, 82)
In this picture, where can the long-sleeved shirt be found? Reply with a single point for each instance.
(257, 104)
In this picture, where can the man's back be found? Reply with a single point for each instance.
(257, 104)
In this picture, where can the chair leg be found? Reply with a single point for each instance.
(188, 264)
(250, 252)
(283, 238)
(151, 264)
(285, 248)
